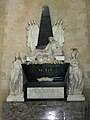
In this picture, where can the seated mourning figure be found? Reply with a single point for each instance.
(54, 47)
(76, 74)
(16, 77)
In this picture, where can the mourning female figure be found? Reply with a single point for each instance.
(76, 74)
(16, 77)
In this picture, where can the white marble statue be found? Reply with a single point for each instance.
(76, 74)
(32, 35)
(16, 77)
(46, 58)
(41, 57)
(54, 47)
(58, 32)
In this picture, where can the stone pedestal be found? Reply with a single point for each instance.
(12, 98)
(75, 98)
(45, 110)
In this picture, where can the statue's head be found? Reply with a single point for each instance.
(17, 56)
(74, 53)
(51, 39)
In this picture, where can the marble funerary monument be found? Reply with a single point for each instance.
(46, 77)
(43, 73)
(40, 80)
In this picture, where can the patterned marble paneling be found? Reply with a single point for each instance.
(44, 92)
(45, 110)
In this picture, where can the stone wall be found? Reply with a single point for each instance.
(87, 83)
(3, 14)
(15, 14)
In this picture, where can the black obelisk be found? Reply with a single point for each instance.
(45, 30)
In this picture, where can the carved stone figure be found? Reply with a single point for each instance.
(58, 32)
(45, 58)
(54, 47)
(32, 35)
(16, 77)
(76, 74)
